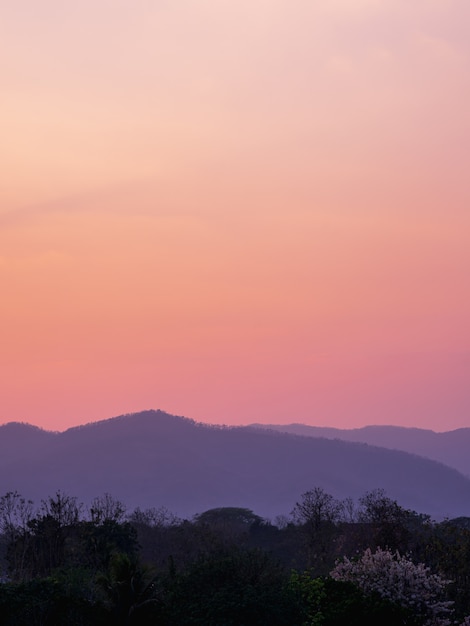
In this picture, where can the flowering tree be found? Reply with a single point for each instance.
(399, 580)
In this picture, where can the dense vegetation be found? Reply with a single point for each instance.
(329, 563)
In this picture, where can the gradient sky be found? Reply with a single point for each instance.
(237, 211)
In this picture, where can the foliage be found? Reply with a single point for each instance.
(59, 537)
(448, 549)
(328, 602)
(345, 604)
(311, 596)
(130, 591)
(230, 588)
(68, 564)
(47, 602)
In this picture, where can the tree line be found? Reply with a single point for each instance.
(328, 563)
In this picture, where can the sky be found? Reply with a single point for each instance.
(250, 211)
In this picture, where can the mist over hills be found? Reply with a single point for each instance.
(156, 459)
(451, 448)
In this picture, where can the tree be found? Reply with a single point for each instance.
(387, 521)
(51, 533)
(63, 509)
(105, 508)
(447, 548)
(100, 542)
(230, 588)
(15, 515)
(48, 602)
(229, 524)
(328, 602)
(377, 508)
(317, 508)
(318, 512)
(311, 595)
(397, 579)
(153, 517)
(130, 590)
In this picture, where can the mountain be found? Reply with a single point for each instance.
(156, 459)
(451, 448)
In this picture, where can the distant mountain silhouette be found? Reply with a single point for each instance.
(155, 459)
(451, 448)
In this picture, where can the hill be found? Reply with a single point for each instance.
(156, 459)
(450, 448)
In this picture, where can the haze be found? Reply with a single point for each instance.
(235, 211)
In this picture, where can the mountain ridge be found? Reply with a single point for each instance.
(155, 459)
(448, 447)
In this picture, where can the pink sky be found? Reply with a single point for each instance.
(235, 211)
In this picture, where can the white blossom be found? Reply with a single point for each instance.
(396, 578)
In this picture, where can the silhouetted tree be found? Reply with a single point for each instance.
(318, 513)
(386, 520)
(105, 508)
(15, 515)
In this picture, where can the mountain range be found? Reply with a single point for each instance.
(155, 459)
(451, 448)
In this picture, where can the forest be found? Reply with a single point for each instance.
(327, 563)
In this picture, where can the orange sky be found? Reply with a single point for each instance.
(235, 211)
